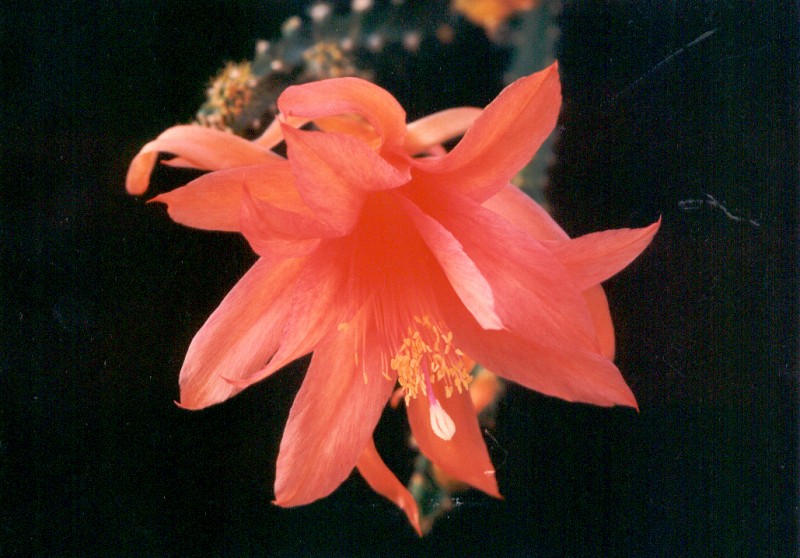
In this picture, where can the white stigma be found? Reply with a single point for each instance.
(441, 423)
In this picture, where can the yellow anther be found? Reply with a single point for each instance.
(427, 351)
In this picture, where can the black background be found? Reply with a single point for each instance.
(101, 295)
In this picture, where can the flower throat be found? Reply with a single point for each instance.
(426, 356)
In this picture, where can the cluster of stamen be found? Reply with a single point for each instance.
(427, 355)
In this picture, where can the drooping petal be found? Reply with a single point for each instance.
(213, 201)
(516, 206)
(333, 172)
(385, 483)
(197, 146)
(593, 258)
(331, 421)
(464, 456)
(503, 138)
(139, 171)
(241, 334)
(533, 293)
(466, 278)
(601, 316)
(348, 95)
(438, 127)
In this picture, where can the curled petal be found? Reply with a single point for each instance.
(139, 171)
(198, 147)
(464, 456)
(333, 173)
(348, 95)
(439, 127)
(383, 481)
(241, 334)
(331, 420)
(353, 125)
(213, 201)
(593, 258)
(503, 138)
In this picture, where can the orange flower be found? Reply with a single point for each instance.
(489, 14)
(391, 267)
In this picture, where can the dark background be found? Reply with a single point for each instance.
(101, 295)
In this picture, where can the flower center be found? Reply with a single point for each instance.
(427, 356)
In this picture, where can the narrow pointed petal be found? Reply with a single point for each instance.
(331, 421)
(464, 456)
(503, 139)
(522, 211)
(385, 483)
(534, 295)
(333, 172)
(241, 334)
(321, 303)
(333, 97)
(564, 371)
(465, 277)
(439, 127)
(601, 316)
(593, 258)
(199, 147)
(213, 201)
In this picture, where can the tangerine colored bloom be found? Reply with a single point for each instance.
(394, 263)
(490, 14)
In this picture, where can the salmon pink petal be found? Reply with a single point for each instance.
(273, 135)
(333, 172)
(353, 125)
(264, 237)
(331, 421)
(516, 206)
(139, 171)
(322, 301)
(559, 370)
(333, 97)
(503, 139)
(593, 258)
(199, 147)
(439, 127)
(346, 158)
(241, 334)
(464, 456)
(383, 481)
(601, 316)
(534, 296)
(213, 201)
(471, 286)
